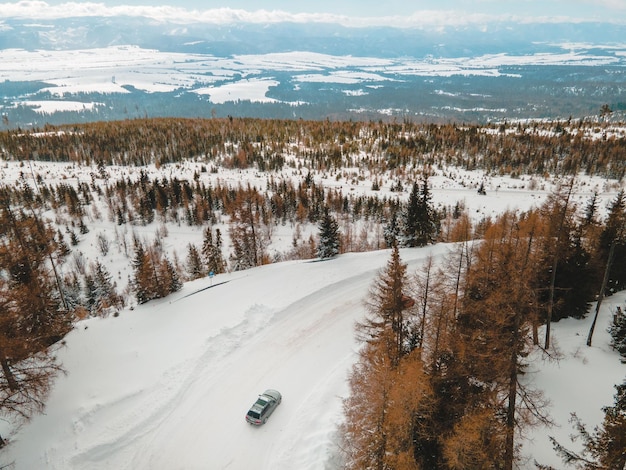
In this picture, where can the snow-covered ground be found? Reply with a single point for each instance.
(241, 77)
(167, 384)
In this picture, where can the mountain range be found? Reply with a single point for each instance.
(118, 67)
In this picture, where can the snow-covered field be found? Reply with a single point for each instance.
(242, 77)
(166, 385)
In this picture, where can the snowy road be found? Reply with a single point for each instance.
(167, 386)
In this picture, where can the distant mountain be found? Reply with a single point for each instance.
(476, 72)
(334, 39)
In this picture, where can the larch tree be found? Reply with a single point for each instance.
(145, 278)
(497, 310)
(605, 448)
(195, 266)
(390, 395)
(155, 275)
(246, 235)
(388, 308)
(32, 316)
(365, 410)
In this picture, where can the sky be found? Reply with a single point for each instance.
(366, 12)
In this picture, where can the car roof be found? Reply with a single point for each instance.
(272, 393)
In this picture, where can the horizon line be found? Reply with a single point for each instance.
(41, 10)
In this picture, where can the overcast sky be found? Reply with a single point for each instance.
(403, 12)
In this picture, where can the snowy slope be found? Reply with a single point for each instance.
(167, 385)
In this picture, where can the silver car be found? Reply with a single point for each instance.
(263, 407)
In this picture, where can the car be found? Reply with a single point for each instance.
(263, 407)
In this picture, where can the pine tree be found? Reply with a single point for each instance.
(617, 330)
(392, 229)
(420, 223)
(328, 246)
(101, 294)
(212, 251)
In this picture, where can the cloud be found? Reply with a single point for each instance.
(607, 4)
(36, 9)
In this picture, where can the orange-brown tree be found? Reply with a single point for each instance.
(249, 241)
(494, 335)
(32, 316)
(389, 391)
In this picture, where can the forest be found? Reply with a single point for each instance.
(437, 384)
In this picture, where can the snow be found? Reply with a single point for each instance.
(248, 77)
(167, 384)
(248, 89)
(50, 107)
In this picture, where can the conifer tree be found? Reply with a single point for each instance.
(101, 294)
(617, 330)
(388, 309)
(390, 395)
(155, 276)
(248, 241)
(605, 448)
(420, 223)
(195, 266)
(328, 246)
(169, 278)
(557, 208)
(493, 336)
(32, 317)
(614, 233)
(143, 281)
(212, 251)
(613, 246)
(62, 249)
(392, 229)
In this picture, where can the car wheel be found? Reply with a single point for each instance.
(264, 420)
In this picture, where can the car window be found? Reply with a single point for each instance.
(254, 414)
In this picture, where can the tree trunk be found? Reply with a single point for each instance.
(8, 374)
(555, 261)
(605, 279)
(509, 451)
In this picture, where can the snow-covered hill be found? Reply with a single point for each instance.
(167, 385)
